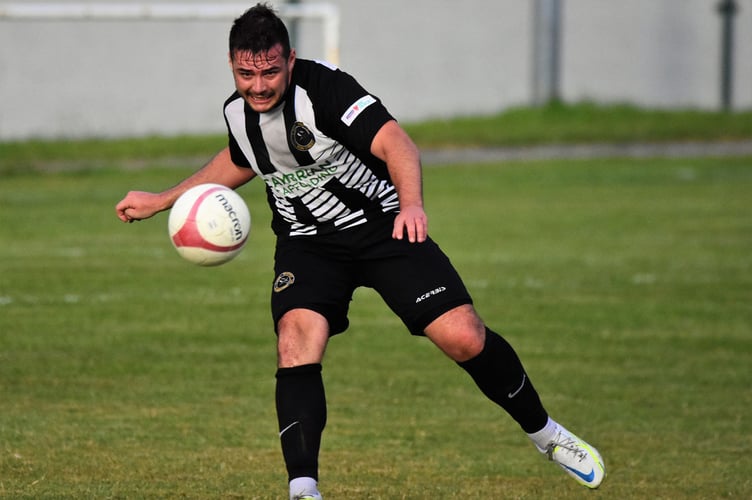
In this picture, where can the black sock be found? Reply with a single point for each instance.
(301, 413)
(499, 374)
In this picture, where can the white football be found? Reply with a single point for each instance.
(209, 224)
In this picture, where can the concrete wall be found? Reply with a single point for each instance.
(424, 58)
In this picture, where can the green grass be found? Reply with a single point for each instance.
(566, 124)
(584, 123)
(625, 286)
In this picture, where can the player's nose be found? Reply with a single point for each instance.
(257, 85)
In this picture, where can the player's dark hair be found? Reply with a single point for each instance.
(258, 30)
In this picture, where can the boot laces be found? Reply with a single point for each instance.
(568, 444)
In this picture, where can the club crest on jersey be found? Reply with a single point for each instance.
(283, 281)
(301, 137)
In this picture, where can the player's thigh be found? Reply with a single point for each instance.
(417, 281)
(309, 278)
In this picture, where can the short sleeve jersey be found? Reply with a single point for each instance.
(313, 151)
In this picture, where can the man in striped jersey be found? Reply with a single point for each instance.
(343, 181)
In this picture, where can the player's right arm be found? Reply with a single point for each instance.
(138, 205)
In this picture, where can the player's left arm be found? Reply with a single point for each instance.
(392, 145)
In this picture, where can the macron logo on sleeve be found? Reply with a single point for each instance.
(357, 108)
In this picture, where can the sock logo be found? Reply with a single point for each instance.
(513, 394)
(288, 427)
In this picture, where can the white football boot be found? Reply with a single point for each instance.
(576, 457)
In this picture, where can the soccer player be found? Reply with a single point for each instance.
(343, 181)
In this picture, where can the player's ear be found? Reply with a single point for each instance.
(291, 59)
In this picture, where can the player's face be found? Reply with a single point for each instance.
(262, 79)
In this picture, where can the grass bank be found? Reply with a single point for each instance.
(557, 123)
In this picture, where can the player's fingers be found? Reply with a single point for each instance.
(398, 231)
(417, 230)
(122, 215)
(120, 210)
(421, 231)
(411, 231)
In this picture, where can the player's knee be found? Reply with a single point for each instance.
(460, 333)
(301, 338)
(466, 344)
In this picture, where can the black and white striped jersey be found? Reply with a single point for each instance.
(313, 152)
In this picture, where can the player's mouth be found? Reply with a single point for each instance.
(261, 97)
(261, 100)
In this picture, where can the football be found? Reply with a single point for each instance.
(209, 224)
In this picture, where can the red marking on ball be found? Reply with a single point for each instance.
(190, 236)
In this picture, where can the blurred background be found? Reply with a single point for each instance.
(74, 78)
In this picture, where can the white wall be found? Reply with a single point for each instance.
(662, 53)
(424, 58)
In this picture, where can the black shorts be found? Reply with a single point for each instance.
(416, 280)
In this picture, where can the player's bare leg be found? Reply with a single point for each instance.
(302, 336)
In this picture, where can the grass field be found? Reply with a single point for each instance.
(579, 123)
(625, 285)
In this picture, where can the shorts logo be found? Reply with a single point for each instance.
(283, 281)
(430, 294)
(301, 137)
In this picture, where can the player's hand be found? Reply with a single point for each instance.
(413, 221)
(138, 205)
